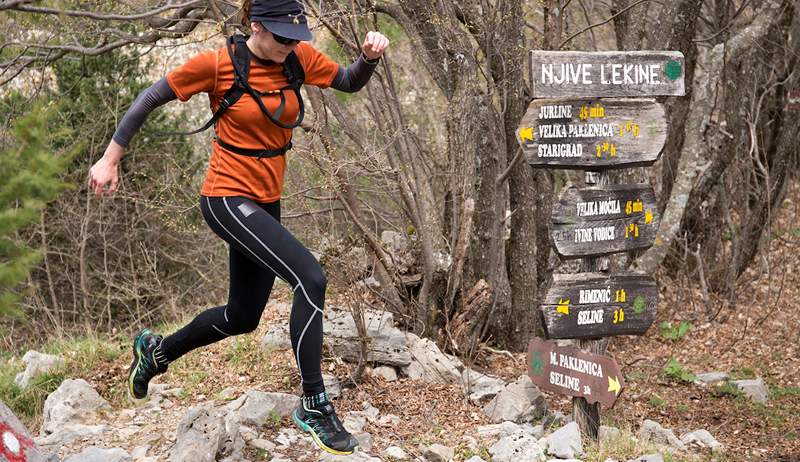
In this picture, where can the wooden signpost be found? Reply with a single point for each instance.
(592, 128)
(577, 74)
(602, 221)
(592, 305)
(593, 134)
(574, 372)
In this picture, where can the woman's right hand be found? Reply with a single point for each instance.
(104, 171)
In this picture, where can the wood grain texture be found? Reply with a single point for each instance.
(593, 133)
(573, 372)
(576, 74)
(604, 220)
(592, 305)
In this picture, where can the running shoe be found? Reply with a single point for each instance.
(147, 363)
(315, 415)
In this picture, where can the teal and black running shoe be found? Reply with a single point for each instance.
(316, 415)
(145, 365)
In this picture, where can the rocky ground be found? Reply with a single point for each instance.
(726, 390)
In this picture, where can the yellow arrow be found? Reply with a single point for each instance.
(563, 306)
(526, 134)
(613, 385)
(648, 217)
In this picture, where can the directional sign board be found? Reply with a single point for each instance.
(577, 74)
(574, 372)
(604, 220)
(592, 305)
(593, 134)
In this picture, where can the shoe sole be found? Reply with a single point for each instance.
(306, 428)
(137, 360)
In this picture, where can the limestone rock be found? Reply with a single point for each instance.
(203, 435)
(387, 372)
(606, 434)
(277, 337)
(517, 447)
(756, 389)
(649, 458)
(37, 363)
(396, 453)
(95, 454)
(16, 440)
(74, 402)
(701, 439)
(437, 453)
(332, 386)
(387, 344)
(480, 386)
(711, 378)
(256, 407)
(428, 363)
(566, 442)
(653, 431)
(520, 401)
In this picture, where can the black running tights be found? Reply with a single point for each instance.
(260, 249)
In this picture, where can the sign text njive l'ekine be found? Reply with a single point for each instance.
(593, 133)
(575, 74)
(574, 372)
(604, 220)
(593, 305)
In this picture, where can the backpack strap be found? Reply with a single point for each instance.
(240, 58)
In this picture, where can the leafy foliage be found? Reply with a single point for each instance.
(674, 333)
(676, 371)
(29, 179)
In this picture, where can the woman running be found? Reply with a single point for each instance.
(253, 88)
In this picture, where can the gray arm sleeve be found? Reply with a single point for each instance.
(355, 76)
(159, 93)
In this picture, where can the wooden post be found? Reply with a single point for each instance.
(586, 415)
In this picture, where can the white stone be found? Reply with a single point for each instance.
(201, 435)
(396, 453)
(256, 407)
(387, 343)
(649, 458)
(711, 378)
(277, 337)
(437, 453)
(74, 402)
(520, 401)
(261, 443)
(701, 439)
(607, 434)
(756, 389)
(332, 386)
(653, 431)
(387, 372)
(69, 433)
(566, 442)
(95, 454)
(36, 364)
(480, 386)
(429, 363)
(517, 447)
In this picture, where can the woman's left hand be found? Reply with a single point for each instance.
(374, 45)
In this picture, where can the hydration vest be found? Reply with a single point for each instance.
(240, 57)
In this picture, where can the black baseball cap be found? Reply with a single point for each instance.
(281, 17)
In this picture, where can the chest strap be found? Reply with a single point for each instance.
(255, 152)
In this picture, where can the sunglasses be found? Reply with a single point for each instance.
(284, 40)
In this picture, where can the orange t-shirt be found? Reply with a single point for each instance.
(243, 124)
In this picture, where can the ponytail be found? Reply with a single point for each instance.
(246, 4)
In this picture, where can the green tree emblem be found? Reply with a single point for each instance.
(673, 70)
(638, 305)
(537, 365)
